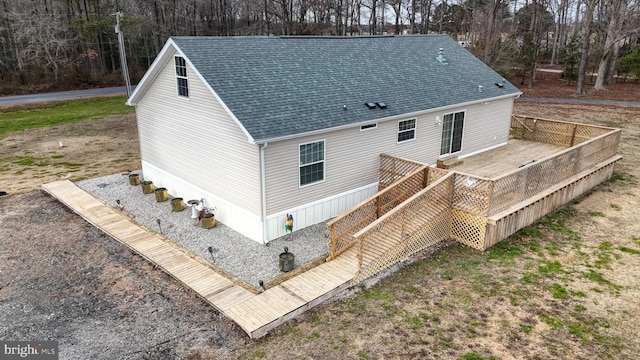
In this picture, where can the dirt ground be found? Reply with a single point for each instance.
(61, 279)
(89, 149)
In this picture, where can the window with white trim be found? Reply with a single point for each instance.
(311, 162)
(181, 76)
(452, 129)
(406, 130)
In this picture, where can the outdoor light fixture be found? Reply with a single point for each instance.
(438, 120)
(160, 226)
(211, 251)
(470, 182)
(262, 285)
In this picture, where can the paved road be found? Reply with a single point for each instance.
(67, 95)
(64, 95)
(582, 101)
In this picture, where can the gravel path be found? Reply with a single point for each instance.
(232, 251)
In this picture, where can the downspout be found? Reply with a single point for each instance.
(263, 193)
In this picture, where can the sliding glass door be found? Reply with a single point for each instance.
(452, 125)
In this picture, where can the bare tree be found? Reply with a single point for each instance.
(619, 27)
(43, 42)
(560, 31)
(586, 42)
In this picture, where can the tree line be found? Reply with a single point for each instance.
(67, 44)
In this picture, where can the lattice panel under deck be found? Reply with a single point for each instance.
(468, 229)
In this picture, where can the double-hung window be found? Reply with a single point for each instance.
(181, 76)
(311, 162)
(406, 130)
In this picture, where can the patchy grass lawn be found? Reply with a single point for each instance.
(565, 287)
(546, 292)
(74, 140)
(35, 116)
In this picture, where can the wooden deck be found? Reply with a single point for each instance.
(493, 163)
(256, 313)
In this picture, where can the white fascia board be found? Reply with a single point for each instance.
(152, 73)
(390, 118)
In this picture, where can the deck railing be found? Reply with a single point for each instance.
(393, 168)
(592, 145)
(342, 227)
(554, 131)
(423, 220)
(401, 178)
(419, 206)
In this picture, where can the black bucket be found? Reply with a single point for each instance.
(287, 260)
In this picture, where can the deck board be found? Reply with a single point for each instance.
(496, 162)
(254, 313)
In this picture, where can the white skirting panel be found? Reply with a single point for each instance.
(238, 219)
(318, 211)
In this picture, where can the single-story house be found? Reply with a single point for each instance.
(262, 127)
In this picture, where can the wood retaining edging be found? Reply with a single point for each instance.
(255, 313)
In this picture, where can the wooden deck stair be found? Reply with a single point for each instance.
(255, 312)
(449, 162)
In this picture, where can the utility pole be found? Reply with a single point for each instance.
(123, 55)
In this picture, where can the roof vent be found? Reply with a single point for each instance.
(501, 83)
(381, 105)
(371, 105)
(441, 58)
(480, 88)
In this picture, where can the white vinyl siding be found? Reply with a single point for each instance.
(198, 141)
(352, 167)
(406, 130)
(485, 126)
(182, 82)
(311, 162)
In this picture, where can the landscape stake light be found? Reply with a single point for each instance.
(211, 251)
(160, 226)
(262, 285)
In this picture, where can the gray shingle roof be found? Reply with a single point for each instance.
(282, 86)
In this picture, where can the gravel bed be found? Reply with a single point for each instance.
(232, 251)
